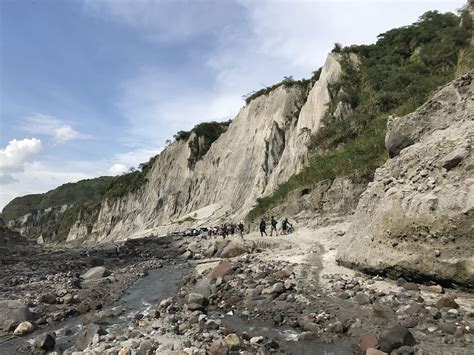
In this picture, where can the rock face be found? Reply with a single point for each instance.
(14, 310)
(416, 217)
(263, 146)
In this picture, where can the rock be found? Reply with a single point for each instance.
(410, 322)
(96, 261)
(452, 313)
(197, 298)
(95, 273)
(436, 289)
(451, 160)
(336, 327)
(372, 351)
(9, 325)
(221, 270)
(278, 287)
(446, 301)
(256, 340)
(232, 250)
(233, 342)
(187, 255)
(83, 308)
(24, 328)
(219, 347)
(308, 324)
(448, 328)
(403, 350)
(411, 286)
(282, 274)
(435, 313)
(45, 341)
(369, 340)
(124, 351)
(15, 311)
(383, 311)
(395, 337)
(68, 298)
(166, 302)
(362, 298)
(49, 298)
(85, 336)
(344, 295)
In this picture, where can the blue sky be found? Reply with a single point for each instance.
(91, 87)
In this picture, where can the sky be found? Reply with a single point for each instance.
(94, 87)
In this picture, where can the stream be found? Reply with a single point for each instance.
(143, 294)
(160, 284)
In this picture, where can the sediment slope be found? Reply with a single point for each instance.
(416, 218)
(263, 146)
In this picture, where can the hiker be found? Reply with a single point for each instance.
(263, 227)
(273, 227)
(231, 229)
(241, 230)
(224, 231)
(285, 226)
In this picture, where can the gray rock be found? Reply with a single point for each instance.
(14, 310)
(403, 350)
(362, 299)
(453, 159)
(45, 341)
(197, 298)
(95, 273)
(85, 336)
(395, 337)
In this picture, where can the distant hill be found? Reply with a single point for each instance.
(52, 214)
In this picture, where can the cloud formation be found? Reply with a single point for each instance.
(17, 153)
(14, 156)
(118, 169)
(51, 126)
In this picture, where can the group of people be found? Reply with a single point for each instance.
(286, 226)
(227, 229)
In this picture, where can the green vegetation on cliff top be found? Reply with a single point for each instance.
(77, 193)
(394, 76)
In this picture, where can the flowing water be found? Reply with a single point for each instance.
(163, 283)
(146, 292)
(286, 337)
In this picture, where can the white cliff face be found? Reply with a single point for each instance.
(416, 218)
(264, 145)
(295, 155)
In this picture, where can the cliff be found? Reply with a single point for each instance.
(416, 218)
(263, 146)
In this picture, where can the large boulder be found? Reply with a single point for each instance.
(95, 273)
(45, 341)
(224, 268)
(416, 218)
(14, 310)
(233, 249)
(24, 328)
(84, 338)
(394, 337)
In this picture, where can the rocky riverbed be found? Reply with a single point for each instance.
(283, 295)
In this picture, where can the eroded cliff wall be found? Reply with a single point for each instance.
(264, 145)
(417, 217)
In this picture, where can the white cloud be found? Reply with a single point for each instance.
(37, 178)
(51, 126)
(17, 153)
(118, 169)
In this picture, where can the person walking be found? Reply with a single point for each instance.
(263, 227)
(273, 227)
(241, 229)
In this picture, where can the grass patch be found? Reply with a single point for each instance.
(362, 155)
(395, 75)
